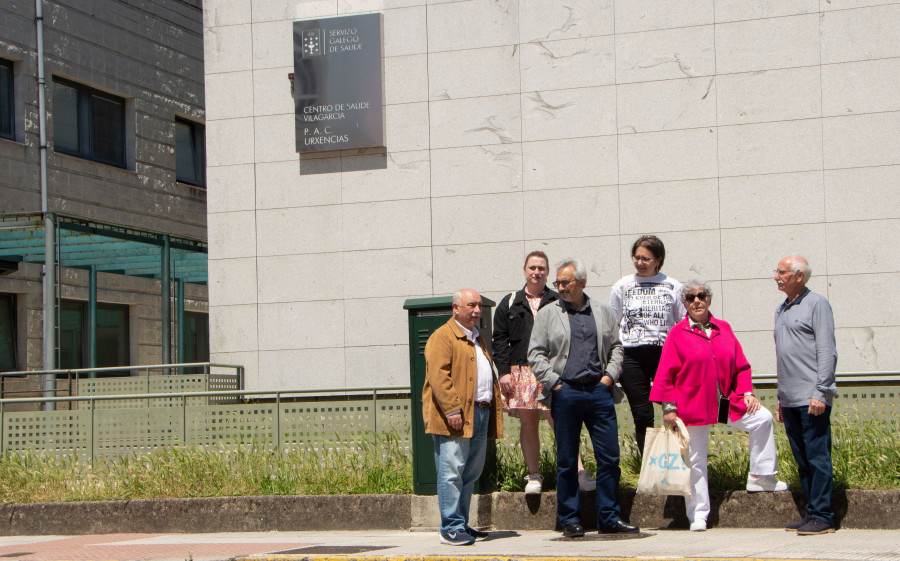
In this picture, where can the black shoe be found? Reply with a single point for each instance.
(620, 528)
(478, 535)
(815, 527)
(575, 530)
(794, 526)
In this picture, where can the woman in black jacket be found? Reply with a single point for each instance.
(513, 321)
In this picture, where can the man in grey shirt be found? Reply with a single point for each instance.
(806, 358)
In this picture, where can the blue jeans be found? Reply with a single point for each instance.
(810, 438)
(459, 462)
(592, 405)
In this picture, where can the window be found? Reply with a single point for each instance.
(7, 332)
(190, 153)
(196, 338)
(7, 115)
(112, 335)
(88, 123)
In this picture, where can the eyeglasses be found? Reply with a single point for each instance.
(782, 272)
(690, 297)
(562, 283)
(642, 258)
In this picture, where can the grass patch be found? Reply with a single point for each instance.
(371, 468)
(864, 458)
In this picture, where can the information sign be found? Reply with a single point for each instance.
(338, 83)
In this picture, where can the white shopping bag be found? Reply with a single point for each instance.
(664, 470)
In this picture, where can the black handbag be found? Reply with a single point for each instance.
(724, 406)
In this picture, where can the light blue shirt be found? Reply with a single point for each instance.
(805, 350)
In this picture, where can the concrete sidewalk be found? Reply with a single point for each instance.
(399, 545)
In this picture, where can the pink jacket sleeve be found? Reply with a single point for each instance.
(670, 364)
(742, 368)
(743, 379)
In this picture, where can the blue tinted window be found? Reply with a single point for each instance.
(190, 153)
(6, 99)
(7, 332)
(112, 335)
(88, 123)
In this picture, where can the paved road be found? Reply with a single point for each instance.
(395, 545)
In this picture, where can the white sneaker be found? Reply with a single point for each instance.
(586, 482)
(765, 483)
(698, 526)
(533, 485)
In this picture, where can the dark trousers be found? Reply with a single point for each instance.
(638, 371)
(810, 439)
(591, 404)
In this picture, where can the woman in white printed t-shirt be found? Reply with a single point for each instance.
(647, 304)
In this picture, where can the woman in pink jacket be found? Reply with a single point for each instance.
(702, 361)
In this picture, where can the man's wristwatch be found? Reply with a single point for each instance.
(749, 394)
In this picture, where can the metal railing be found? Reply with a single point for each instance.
(148, 373)
(304, 418)
(280, 419)
(842, 378)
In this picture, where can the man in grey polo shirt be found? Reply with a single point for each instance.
(806, 358)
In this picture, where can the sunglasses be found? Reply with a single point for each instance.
(690, 297)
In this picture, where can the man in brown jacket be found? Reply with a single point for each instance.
(461, 408)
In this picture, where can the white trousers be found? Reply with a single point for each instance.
(763, 457)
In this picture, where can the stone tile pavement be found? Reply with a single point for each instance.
(398, 545)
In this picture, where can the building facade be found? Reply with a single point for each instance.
(738, 132)
(125, 177)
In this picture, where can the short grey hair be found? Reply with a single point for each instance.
(580, 271)
(694, 284)
(800, 264)
(457, 296)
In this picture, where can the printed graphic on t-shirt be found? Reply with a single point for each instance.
(647, 311)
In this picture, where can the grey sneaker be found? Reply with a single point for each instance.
(765, 483)
(794, 526)
(814, 527)
(586, 481)
(533, 484)
(477, 534)
(457, 537)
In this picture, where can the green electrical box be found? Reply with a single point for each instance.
(425, 316)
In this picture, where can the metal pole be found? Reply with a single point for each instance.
(92, 319)
(49, 272)
(184, 430)
(278, 422)
(165, 297)
(93, 442)
(375, 414)
(179, 323)
(375, 408)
